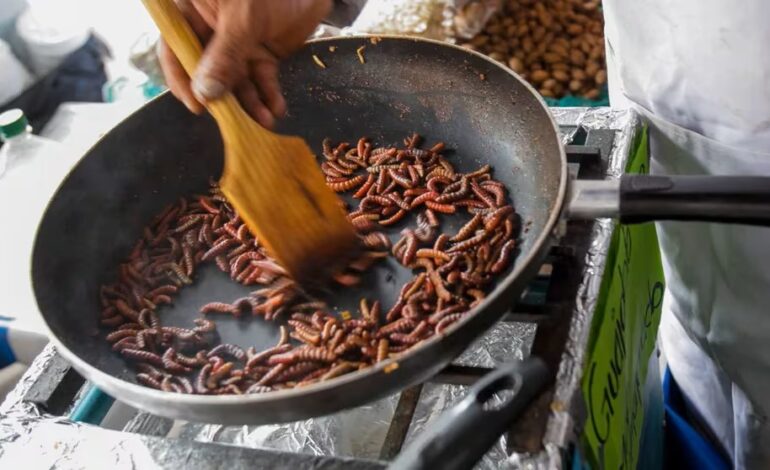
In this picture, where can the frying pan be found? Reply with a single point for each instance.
(482, 111)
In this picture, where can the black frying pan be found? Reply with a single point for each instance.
(482, 111)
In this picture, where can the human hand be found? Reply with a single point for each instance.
(243, 43)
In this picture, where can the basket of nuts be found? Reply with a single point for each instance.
(556, 45)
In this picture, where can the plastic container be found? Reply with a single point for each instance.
(20, 145)
(37, 167)
(13, 75)
(51, 31)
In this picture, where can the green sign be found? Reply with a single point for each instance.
(622, 338)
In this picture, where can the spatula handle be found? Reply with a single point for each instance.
(184, 42)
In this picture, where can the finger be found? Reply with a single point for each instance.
(265, 74)
(249, 98)
(195, 16)
(224, 61)
(208, 10)
(293, 35)
(177, 79)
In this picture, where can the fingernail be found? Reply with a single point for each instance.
(193, 106)
(265, 118)
(207, 88)
(280, 107)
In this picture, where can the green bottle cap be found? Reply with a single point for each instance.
(12, 123)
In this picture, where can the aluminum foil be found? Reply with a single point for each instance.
(568, 405)
(625, 122)
(437, 398)
(504, 342)
(360, 432)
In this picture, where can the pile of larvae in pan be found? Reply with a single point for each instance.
(452, 272)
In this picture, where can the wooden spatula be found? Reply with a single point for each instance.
(273, 181)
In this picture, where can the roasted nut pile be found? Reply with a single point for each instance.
(452, 273)
(556, 45)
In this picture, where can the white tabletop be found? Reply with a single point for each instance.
(25, 190)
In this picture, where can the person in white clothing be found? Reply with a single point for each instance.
(698, 72)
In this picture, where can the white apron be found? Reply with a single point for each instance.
(699, 72)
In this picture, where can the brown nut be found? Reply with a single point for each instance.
(494, 29)
(593, 94)
(527, 45)
(578, 74)
(601, 77)
(497, 56)
(577, 57)
(543, 15)
(596, 53)
(551, 58)
(560, 75)
(585, 46)
(480, 40)
(501, 48)
(538, 34)
(546, 93)
(558, 49)
(539, 76)
(592, 68)
(560, 66)
(550, 84)
(574, 29)
(575, 86)
(516, 64)
(532, 58)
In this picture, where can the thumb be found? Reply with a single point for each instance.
(223, 64)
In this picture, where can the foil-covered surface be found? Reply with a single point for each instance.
(625, 122)
(15, 398)
(33, 437)
(568, 405)
(357, 432)
(504, 342)
(360, 432)
(435, 399)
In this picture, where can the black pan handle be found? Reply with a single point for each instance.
(461, 436)
(729, 199)
(644, 198)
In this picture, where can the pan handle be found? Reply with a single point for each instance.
(461, 436)
(644, 198)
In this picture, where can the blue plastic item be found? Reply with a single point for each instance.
(686, 447)
(92, 406)
(6, 353)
